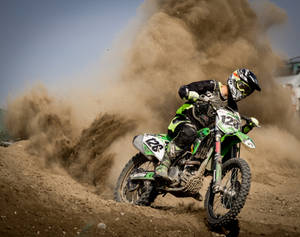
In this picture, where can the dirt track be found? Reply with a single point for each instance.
(37, 201)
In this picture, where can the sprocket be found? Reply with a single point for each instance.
(194, 184)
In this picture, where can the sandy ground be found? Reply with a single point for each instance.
(39, 201)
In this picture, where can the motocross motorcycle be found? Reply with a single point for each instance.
(215, 154)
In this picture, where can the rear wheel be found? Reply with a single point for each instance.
(223, 207)
(133, 191)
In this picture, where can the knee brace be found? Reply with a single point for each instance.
(186, 135)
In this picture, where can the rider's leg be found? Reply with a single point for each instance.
(163, 168)
(173, 130)
(185, 137)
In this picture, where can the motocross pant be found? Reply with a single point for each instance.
(183, 132)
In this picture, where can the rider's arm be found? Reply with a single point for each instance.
(193, 90)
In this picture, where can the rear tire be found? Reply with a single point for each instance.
(233, 203)
(142, 195)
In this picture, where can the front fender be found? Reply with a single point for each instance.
(240, 137)
(245, 139)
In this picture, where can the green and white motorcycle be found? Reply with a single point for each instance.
(215, 153)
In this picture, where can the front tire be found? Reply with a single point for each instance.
(143, 192)
(222, 208)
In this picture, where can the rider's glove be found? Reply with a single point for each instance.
(186, 94)
(193, 95)
(254, 122)
(250, 124)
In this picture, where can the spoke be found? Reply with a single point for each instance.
(226, 181)
(234, 173)
(218, 205)
(133, 196)
(223, 203)
(232, 186)
(230, 201)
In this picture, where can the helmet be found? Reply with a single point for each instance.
(242, 83)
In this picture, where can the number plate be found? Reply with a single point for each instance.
(228, 122)
(156, 145)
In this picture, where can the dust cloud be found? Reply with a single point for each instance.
(175, 42)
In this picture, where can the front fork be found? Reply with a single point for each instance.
(217, 167)
(217, 164)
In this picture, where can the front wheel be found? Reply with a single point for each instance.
(132, 191)
(223, 207)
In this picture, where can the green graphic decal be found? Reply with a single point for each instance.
(143, 176)
(149, 175)
(164, 137)
(172, 126)
(183, 108)
(147, 150)
(203, 133)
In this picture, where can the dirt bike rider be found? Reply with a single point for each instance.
(198, 111)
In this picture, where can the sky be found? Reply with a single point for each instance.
(286, 38)
(53, 41)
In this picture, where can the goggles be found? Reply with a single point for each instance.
(243, 87)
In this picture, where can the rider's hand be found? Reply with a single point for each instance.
(250, 124)
(193, 95)
(186, 94)
(253, 122)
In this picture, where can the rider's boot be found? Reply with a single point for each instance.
(161, 171)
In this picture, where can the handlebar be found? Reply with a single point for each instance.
(247, 119)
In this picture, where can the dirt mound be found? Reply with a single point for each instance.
(88, 161)
(47, 202)
(37, 201)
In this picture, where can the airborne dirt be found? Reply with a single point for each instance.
(59, 182)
